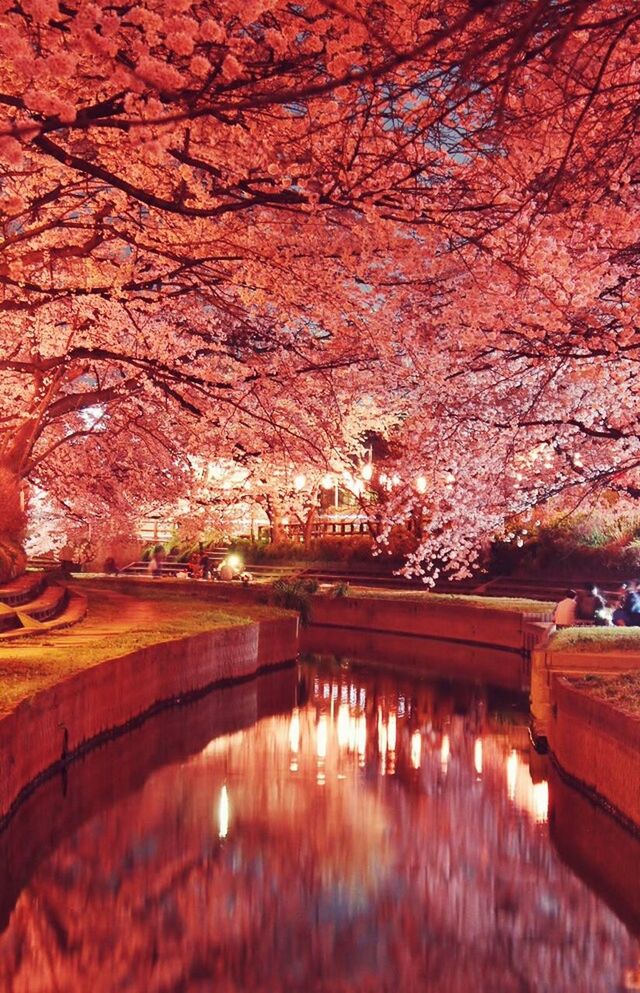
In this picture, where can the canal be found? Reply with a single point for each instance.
(323, 828)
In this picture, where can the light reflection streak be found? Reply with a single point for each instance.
(512, 774)
(445, 752)
(477, 756)
(416, 749)
(362, 739)
(343, 725)
(294, 739)
(223, 813)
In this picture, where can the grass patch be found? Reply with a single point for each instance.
(588, 639)
(121, 618)
(513, 604)
(622, 691)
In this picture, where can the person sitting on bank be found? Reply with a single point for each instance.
(564, 616)
(590, 605)
(630, 605)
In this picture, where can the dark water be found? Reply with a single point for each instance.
(321, 829)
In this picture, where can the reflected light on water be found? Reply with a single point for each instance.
(512, 774)
(416, 749)
(541, 802)
(322, 734)
(531, 797)
(362, 738)
(477, 756)
(391, 732)
(445, 751)
(343, 725)
(294, 739)
(223, 813)
(321, 737)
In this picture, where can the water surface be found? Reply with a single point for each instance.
(324, 829)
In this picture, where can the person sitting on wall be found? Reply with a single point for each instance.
(619, 617)
(194, 567)
(225, 572)
(590, 606)
(564, 616)
(631, 604)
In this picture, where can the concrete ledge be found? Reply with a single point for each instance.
(546, 664)
(47, 729)
(418, 655)
(452, 622)
(599, 746)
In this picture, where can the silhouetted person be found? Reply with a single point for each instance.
(589, 603)
(564, 615)
(631, 605)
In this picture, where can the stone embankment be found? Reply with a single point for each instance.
(453, 638)
(597, 745)
(47, 729)
(594, 744)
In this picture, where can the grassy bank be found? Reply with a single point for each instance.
(121, 618)
(622, 691)
(513, 604)
(587, 639)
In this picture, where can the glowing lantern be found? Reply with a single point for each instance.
(421, 484)
(299, 480)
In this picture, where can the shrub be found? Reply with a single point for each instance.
(294, 594)
(339, 590)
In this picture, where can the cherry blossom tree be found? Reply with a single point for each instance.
(212, 212)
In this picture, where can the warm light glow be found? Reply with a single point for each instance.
(391, 732)
(234, 562)
(367, 471)
(362, 737)
(477, 756)
(294, 731)
(327, 482)
(299, 480)
(421, 484)
(343, 725)
(223, 813)
(512, 774)
(352, 734)
(416, 749)
(541, 802)
(321, 737)
(445, 752)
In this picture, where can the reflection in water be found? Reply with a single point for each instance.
(383, 834)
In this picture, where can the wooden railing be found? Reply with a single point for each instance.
(321, 529)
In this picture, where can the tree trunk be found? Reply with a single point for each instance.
(13, 560)
(307, 533)
(275, 525)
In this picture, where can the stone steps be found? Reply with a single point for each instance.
(31, 605)
(23, 589)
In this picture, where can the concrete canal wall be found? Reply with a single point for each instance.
(546, 665)
(457, 639)
(61, 720)
(598, 745)
(122, 765)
